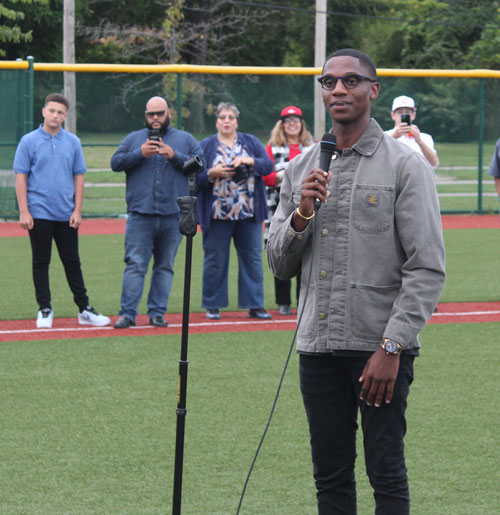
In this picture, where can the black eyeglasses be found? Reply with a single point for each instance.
(152, 114)
(350, 81)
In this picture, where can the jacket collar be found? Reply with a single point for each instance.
(370, 139)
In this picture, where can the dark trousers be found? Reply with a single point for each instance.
(330, 390)
(283, 290)
(66, 238)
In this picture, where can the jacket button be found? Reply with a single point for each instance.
(322, 273)
(324, 232)
(322, 316)
(299, 236)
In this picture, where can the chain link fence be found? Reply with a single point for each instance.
(460, 113)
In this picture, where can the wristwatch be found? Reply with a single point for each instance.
(390, 346)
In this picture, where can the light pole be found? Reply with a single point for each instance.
(319, 59)
(69, 57)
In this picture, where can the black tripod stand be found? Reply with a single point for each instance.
(187, 226)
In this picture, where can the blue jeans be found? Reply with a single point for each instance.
(247, 236)
(146, 236)
(330, 390)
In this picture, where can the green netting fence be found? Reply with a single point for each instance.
(457, 107)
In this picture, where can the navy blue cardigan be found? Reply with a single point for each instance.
(263, 166)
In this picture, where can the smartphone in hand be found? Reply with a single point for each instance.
(154, 135)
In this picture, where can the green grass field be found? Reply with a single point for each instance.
(472, 266)
(88, 426)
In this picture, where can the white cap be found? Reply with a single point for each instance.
(403, 101)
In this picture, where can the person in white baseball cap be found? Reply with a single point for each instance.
(404, 113)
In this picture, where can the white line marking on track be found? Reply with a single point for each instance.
(111, 328)
(214, 324)
(465, 313)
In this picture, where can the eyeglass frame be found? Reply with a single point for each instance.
(343, 79)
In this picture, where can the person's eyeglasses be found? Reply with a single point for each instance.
(152, 114)
(350, 81)
(291, 119)
(229, 117)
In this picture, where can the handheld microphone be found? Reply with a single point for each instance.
(328, 144)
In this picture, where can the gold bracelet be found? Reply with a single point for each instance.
(307, 218)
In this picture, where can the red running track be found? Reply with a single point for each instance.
(63, 328)
(117, 225)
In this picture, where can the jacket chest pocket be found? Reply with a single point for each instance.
(373, 208)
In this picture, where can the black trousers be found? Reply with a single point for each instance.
(330, 390)
(66, 238)
(283, 290)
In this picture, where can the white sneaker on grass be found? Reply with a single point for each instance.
(44, 318)
(89, 316)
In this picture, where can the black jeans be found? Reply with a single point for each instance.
(66, 238)
(330, 390)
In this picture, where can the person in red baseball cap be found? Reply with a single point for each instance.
(289, 138)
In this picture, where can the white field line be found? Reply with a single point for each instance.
(463, 194)
(466, 313)
(213, 324)
(110, 328)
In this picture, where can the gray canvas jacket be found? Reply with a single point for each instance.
(378, 262)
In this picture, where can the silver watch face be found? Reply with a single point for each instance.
(391, 347)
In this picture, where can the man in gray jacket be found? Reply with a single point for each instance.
(373, 268)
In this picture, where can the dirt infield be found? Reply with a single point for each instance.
(117, 225)
(63, 328)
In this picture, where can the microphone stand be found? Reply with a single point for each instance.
(187, 227)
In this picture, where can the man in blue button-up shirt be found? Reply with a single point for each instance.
(153, 164)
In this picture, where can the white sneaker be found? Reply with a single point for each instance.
(90, 316)
(44, 318)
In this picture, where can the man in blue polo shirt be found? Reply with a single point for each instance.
(50, 168)
(153, 159)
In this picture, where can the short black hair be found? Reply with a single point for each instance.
(362, 57)
(56, 97)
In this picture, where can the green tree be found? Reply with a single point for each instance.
(430, 33)
(485, 52)
(11, 27)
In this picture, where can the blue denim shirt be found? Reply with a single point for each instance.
(155, 183)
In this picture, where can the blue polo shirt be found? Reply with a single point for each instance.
(50, 162)
(155, 183)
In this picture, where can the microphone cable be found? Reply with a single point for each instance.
(280, 384)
